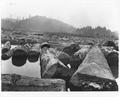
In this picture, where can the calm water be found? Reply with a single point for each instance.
(28, 69)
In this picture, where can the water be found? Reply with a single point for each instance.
(28, 69)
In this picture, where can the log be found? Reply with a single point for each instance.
(109, 43)
(7, 55)
(14, 82)
(20, 55)
(106, 50)
(6, 47)
(34, 53)
(70, 50)
(93, 74)
(112, 60)
(62, 56)
(78, 57)
(52, 67)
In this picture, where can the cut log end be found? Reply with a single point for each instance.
(33, 56)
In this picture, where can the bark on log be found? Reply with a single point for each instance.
(112, 57)
(52, 67)
(6, 47)
(13, 82)
(93, 74)
(34, 53)
(70, 50)
(112, 60)
(62, 56)
(78, 57)
(7, 55)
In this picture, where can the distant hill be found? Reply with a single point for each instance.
(38, 23)
(44, 24)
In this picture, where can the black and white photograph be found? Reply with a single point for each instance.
(60, 45)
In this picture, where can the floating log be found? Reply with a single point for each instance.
(93, 74)
(70, 50)
(78, 57)
(6, 47)
(106, 50)
(52, 67)
(14, 82)
(109, 43)
(62, 56)
(20, 55)
(7, 55)
(112, 60)
(113, 44)
(34, 53)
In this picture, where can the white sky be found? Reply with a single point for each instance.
(78, 13)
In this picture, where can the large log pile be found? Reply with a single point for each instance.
(83, 67)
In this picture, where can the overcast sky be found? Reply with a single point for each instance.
(78, 13)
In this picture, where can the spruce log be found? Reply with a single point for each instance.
(34, 53)
(93, 74)
(62, 56)
(70, 50)
(14, 82)
(7, 55)
(112, 60)
(52, 67)
(20, 55)
(6, 47)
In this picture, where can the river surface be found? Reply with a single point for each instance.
(28, 69)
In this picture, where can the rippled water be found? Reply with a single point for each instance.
(28, 69)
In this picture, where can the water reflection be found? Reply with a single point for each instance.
(28, 69)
